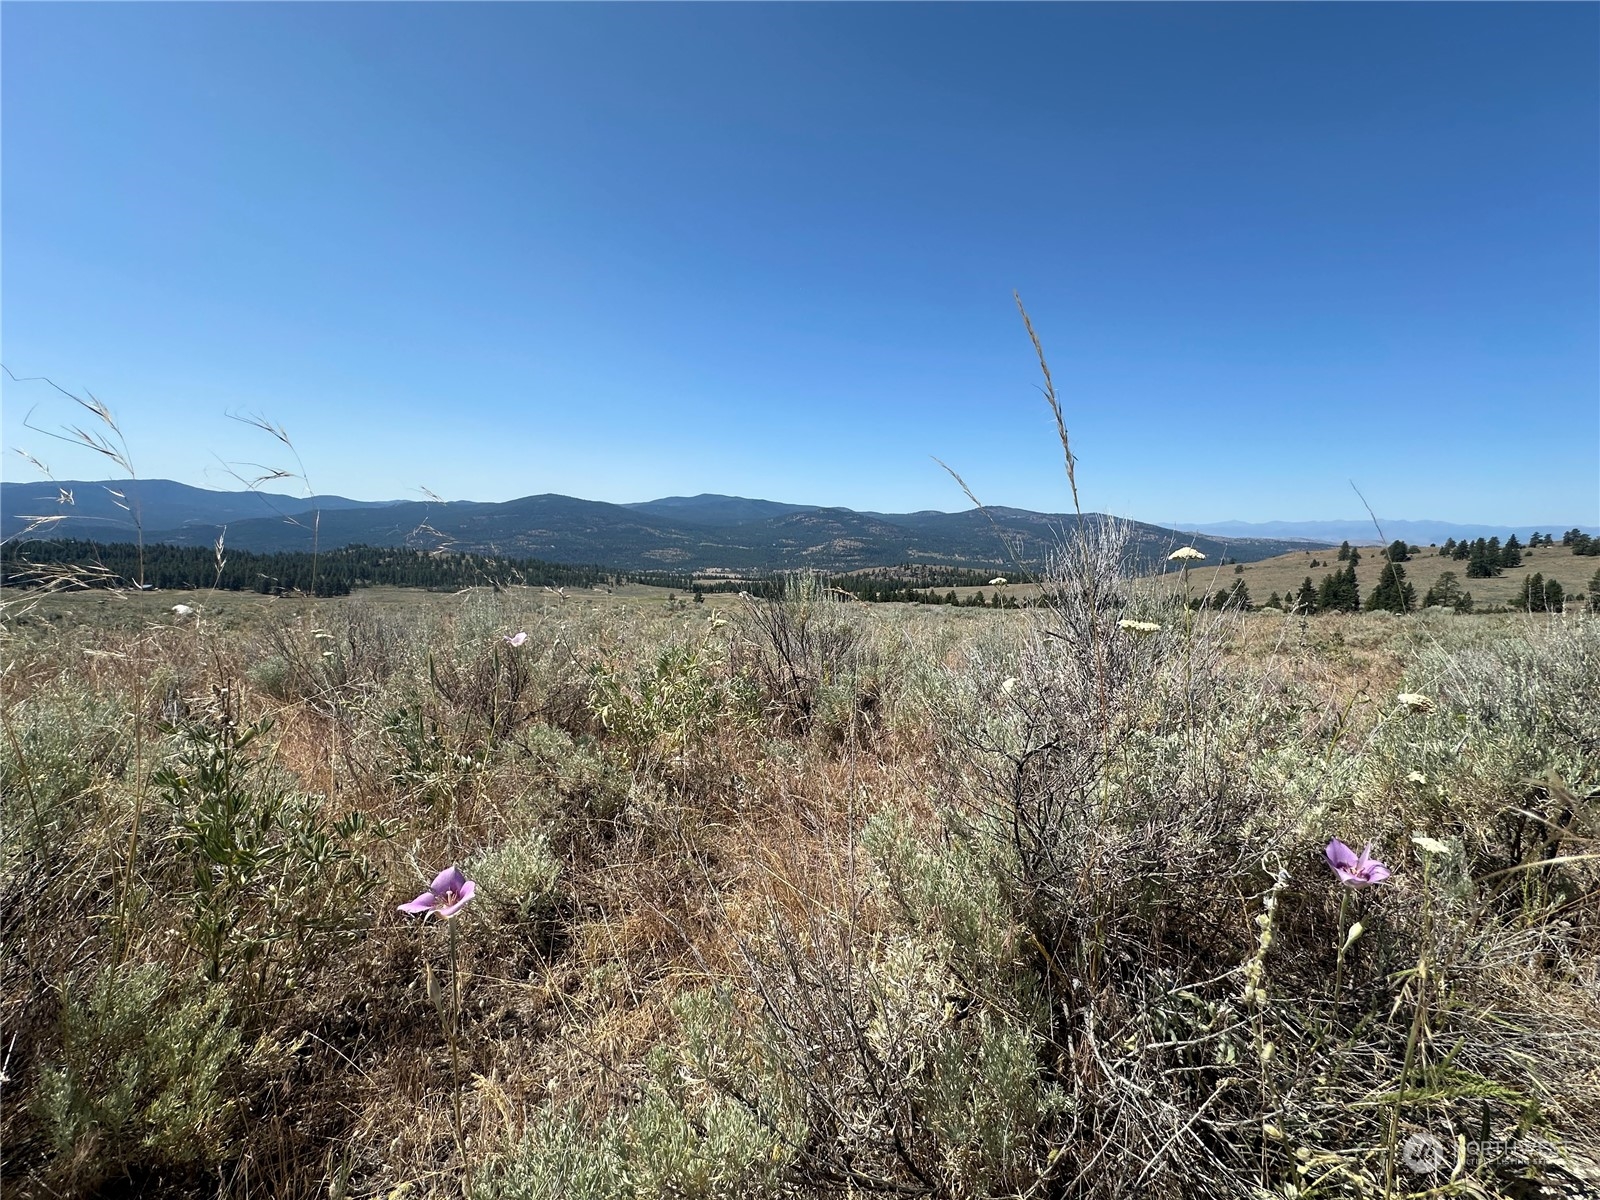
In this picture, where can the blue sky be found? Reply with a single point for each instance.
(624, 251)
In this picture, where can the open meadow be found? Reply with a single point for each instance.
(803, 897)
(1284, 574)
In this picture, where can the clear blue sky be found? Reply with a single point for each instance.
(625, 251)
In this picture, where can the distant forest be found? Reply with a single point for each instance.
(331, 573)
(86, 564)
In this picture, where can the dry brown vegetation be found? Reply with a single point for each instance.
(795, 898)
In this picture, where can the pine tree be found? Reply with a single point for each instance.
(1344, 551)
(1555, 596)
(1479, 565)
(1339, 592)
(1531, 597)
(1393, 593)
(1328, 594)
(1398, 552)
(1305, 600)
(1446, 592)
(1349, 588)
(1511, 555)
(1355, 556)
(1448, 547)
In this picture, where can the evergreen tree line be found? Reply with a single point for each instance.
(1580, 542)
(1541, 595)
(1340, 591)
(331, 573)
(1487, 557)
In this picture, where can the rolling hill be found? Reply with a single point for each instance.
(674, 533)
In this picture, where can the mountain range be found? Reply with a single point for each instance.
(674, 533)
(1363, 531)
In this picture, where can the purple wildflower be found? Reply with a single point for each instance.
(516, 639)
(1357, 871)
(446, 895)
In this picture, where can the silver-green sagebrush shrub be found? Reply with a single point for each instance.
(908, 1055)
(906, 1061)
(1505, 710)
(139, 1074)
(562, 1157)
(698, 1130)
(1500, 755)
(521, 875)
(573, 778)
(59, 750)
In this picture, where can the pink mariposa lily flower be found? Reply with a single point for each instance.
(446, 895)
(1356, 870)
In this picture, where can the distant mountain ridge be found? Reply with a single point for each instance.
(162, 504)
(1362, 531)
(708, 508)
(678, 533)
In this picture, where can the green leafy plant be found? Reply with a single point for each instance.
(272, 885)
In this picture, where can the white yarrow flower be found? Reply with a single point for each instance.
(1414, 702)
(1139, 626)
(1185, 554)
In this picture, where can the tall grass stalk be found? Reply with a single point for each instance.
(453, 1036)
(273, 474)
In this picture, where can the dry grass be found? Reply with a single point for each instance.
(1286, 572)
(747, 857)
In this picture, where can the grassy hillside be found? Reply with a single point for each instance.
(802, 898)
(1285, 573)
